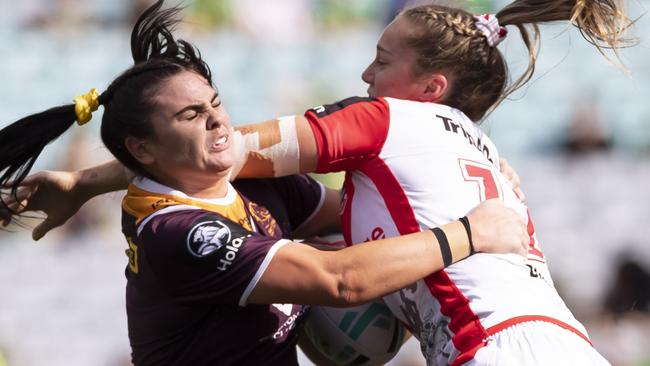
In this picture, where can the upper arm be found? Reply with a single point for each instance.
(349, 132)
(328, 138)
(202, 257)
(274, 148)
(298, 274)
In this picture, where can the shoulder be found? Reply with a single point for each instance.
(398, 106)
(351, 105)
(290, 200)
(193, 231)
(200, 255)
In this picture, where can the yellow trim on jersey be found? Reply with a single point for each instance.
(140, 204)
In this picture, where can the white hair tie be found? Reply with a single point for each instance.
(489, 26)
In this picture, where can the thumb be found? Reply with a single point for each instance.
(30, 180)
(43, 228)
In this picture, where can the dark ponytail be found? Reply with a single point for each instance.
(127, 102)
(23, 141)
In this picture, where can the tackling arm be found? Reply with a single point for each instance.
(301, 274)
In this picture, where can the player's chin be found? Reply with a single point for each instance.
(221, 165)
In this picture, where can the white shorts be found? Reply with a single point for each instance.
(537, 343)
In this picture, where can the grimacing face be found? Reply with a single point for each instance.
(391, 72)
(192, 136)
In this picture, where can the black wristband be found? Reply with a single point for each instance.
(445, 250)
(468, 229)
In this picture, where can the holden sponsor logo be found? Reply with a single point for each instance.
(230, 254)
(207, 237)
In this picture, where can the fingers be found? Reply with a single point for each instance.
(520, 194)
(525, 239)
(504, 167)
(34, 179)
(43, 228)
(17, 203)
(520, 232)
(5, 216)
(12, 205)
(30, 180)
(509, 172)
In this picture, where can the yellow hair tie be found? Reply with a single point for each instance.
(85, 105)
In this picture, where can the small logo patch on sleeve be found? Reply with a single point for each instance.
(263, 217)
(207, 237)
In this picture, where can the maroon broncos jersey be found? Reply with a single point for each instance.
(194, 262)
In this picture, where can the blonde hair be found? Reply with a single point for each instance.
(448, 40)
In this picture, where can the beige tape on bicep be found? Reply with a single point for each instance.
(268, 149)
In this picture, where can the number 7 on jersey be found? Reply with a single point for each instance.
(482, 175)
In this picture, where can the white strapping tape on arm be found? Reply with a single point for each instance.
(285, 154)
(241, 152)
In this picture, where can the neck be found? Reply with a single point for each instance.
(199, 186)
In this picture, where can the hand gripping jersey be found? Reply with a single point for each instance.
(194, 262)
(412, 166)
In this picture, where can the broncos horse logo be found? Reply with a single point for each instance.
(207, 237)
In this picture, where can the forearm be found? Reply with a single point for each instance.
(299, 274)
(274, 148)
(370, 270)
(107, 177)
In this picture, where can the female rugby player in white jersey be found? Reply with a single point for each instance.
(415, 158)
(209, 275)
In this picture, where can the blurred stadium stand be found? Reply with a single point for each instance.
(62, 301)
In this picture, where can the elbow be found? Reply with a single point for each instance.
(349, 290)
(343, 284)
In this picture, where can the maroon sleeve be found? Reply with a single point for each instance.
(202, 257)
(303, 197)
(291, 200)
(348, 132)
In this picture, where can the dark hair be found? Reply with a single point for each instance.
(127, 102)
(447, 39)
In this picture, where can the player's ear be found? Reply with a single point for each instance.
(140, 149)
(436, 86)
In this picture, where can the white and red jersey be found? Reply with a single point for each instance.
(413, 166)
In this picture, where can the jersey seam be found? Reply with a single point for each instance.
(166, 210)
(260, 271)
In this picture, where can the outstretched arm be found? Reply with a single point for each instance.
(301, 274)
(60, 194)
(328, 138)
